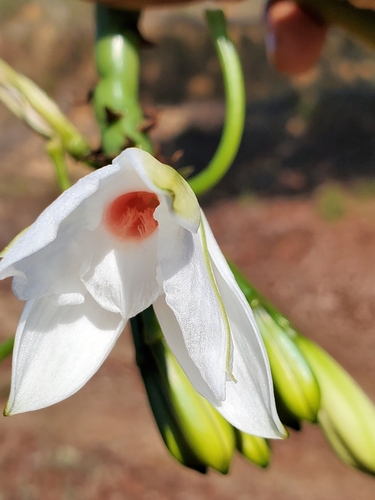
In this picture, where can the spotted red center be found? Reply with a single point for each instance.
(131, 215)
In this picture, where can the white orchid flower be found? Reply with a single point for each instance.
(124, 237)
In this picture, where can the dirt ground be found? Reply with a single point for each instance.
(306, 242)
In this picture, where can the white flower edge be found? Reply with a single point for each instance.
(249, 404)
(62, 339)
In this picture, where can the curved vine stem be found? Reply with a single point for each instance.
(235, 106)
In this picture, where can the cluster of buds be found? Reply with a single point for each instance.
(310, 386)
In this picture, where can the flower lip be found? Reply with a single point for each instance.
(130, 216)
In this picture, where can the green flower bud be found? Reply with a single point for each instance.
(347, 415)
(254, 448)
(293, 379)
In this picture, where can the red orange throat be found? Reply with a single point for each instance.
(131, 215)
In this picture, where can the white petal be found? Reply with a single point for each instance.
(190, 294)
(57, 350)
(250, 403)
(54, 269)
(45, 228)
(61, 238)
(241, 411)
(122, 276)
(175, 340)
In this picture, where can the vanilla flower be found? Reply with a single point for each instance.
(124, 237)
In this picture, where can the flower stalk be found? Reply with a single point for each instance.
(56, 152)
(115, 99)
(235, 102)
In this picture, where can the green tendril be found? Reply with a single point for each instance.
(235, 106)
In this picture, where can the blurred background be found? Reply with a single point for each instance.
(296, 213)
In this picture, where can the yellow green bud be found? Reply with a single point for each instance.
(347, 415)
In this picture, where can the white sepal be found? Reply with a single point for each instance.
(251, 397)
(235, 408)
(190, 294)
(57, 350)
(44, 230)
(122, 277)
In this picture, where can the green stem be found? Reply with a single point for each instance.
(6, 349)
(235, 106)
(56, 152)
(116, 99)
(357, 22)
